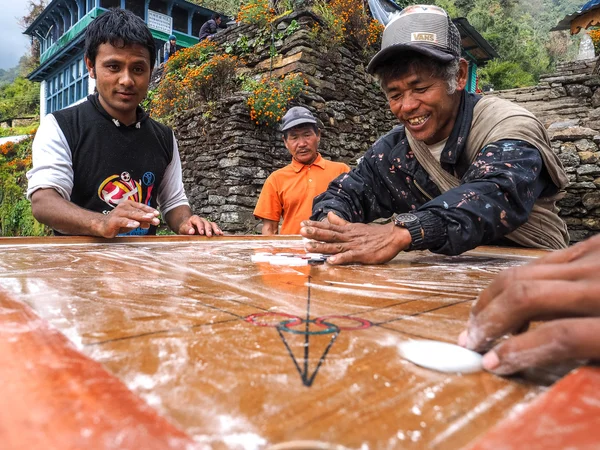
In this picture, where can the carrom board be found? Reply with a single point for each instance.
(191, 342)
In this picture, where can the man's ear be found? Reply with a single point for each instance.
(463, 74)
(90, 67)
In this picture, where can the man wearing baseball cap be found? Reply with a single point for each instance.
(289, 192)
(461, 171)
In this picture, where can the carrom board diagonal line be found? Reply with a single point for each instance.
(291, 353)
(401, 331)
(379, 308)
(239, 302)
(309, 382)
(437, 308)
(151, 333)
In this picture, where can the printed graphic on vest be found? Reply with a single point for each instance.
(119, 188)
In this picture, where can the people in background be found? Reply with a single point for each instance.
(104, 167)
(170, 48)
(562, 290)
(461, 171)
(288, 192)
(210, 27)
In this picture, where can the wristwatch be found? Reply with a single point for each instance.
(412, 223)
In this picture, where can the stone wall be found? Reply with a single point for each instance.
(226, 158)
(568, 104)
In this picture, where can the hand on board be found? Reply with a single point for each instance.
(354, 242)
(562, 289)
(127, 216)
(199, 225)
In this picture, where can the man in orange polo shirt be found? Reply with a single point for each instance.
(289, 192)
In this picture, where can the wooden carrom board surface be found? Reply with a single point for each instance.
(236, 354)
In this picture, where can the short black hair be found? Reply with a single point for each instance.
(215, 16)
(313, 126)
(119, 28)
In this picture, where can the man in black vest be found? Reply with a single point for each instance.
(103, 167)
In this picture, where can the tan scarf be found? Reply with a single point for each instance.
(495, 119)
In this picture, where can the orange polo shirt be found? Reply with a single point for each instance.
(289, 192)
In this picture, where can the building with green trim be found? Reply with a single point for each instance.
(475, 49)
(60, 32)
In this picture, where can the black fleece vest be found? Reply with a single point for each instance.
(113, 162)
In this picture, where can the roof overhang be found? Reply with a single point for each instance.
(69, 51)
(473, 42)
(48, 10)
(588, 16)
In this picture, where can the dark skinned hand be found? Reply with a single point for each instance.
(354, 242)
(127, 216)
(201, 226)
(562, 289)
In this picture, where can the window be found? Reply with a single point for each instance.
(180, 19)
(68, 86)
(110, 4)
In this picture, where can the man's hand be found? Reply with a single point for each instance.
(354, 242)
(127, 216)
(199, 225)
(562, 288)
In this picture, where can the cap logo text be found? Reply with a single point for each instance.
(427, 37)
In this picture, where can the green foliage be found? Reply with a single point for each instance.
(228, 7)
(18, 131)
(499, 75)
(520, 32)
(21, 98)
(16, 218)
(8, 76)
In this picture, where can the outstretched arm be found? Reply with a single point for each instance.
(182, 221)
(51, 209)
(562, 289)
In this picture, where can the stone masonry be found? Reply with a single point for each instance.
(226, 158)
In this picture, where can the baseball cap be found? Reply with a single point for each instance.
(296, 116)
(426, 29)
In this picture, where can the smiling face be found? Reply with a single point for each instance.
(122, 76)
(422, 102)
(303, 143)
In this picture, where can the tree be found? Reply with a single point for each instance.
(19, 99)
(34, 9)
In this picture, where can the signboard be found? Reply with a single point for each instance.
(160, 22)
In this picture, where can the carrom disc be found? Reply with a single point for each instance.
(306, 445)
(440, 356)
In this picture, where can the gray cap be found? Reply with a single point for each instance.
(426, 29)
(297, 116)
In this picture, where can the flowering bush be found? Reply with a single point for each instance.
(8, 149)
(16, 218)
(595, 35)
(270, 98)
(191, 56)
(257, 12)
(346, 19)
(193, 74)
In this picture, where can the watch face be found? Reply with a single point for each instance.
(406, 218)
